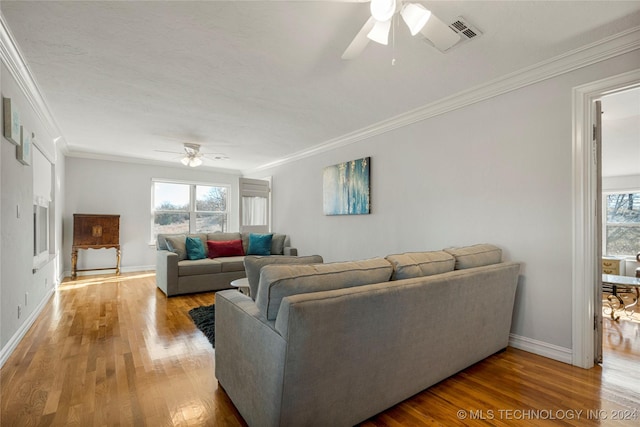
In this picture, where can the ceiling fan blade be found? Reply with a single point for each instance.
(216, 156)
(360, 41)
(170, 152)
(380, 32)
(439, 34)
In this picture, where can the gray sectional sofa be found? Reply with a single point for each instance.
(176, 274)
(334, 344)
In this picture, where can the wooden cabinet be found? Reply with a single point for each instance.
(612, 265)
(91, 231)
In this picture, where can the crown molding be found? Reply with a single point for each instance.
(146, 162)
(14, 61)
(584, 56)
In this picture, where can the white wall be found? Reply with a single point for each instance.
(108, 187)
(620, 184)
(498, 171)
(16, 254)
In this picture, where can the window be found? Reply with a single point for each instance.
(622, 227)
(179, 207)
(254, 205)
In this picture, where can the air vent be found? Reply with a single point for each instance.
(445, 37)
(466, 31)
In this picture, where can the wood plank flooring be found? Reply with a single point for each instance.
(114, 351)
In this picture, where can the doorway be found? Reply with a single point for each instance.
(587, 298)
(620, 236)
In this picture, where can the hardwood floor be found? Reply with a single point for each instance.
(112, 351)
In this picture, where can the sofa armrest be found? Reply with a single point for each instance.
(289, 251)
(167, 272)
(249, 358)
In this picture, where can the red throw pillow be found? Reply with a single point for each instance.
(225, 248)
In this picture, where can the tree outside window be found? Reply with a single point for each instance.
(211, 208)
(622, 228)
(189, 208)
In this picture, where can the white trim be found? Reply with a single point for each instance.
(584, 200)
(131, 269)
(147, 162)
(190, 182)
(17, 66)
(11, 345)
(544, 349)
(601, 50)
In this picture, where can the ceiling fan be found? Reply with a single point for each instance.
(417, 18)
(193, 157)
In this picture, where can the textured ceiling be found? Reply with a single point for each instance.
(261, 80)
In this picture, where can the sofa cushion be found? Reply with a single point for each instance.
(476, 255)
(199, 266)
(260, 244)
(177, 245)
(253, 264)
(231, 263)
(278, 281)
(417, 264)
(224, 248)
(245, 242)
(277, 244)
(195, 248)
(161, 242)
(219, 236)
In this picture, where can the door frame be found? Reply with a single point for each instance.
(585, 235)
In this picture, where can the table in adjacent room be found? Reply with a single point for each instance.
(619, 288)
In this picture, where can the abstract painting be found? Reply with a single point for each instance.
(11, 121)
(346, 188)
(23, 151)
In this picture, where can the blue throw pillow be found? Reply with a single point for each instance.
(195, 248)
(259, 244)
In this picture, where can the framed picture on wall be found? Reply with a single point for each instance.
(11, 119)
(346, 188)
(23, 151)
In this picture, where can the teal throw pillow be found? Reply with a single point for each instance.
(195, 248)
(259, 244)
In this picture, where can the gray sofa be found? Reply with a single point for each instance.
(176, 275)
(334, 344)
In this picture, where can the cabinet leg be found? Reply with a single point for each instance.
(74, 264)
(117, 261)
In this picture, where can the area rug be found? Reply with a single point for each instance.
(205, 319)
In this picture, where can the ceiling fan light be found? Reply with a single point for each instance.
(380, 32)
(415, 16)
(383, 10)
(195, 162)
(185, 161)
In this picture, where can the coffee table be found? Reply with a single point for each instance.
(618, 287)
(242, 285)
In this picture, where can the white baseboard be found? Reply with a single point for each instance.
(8, 349)
(131, 269)
(540, 348)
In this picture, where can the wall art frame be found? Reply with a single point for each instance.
(23, 151)
(11, 121)
(346, 188)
